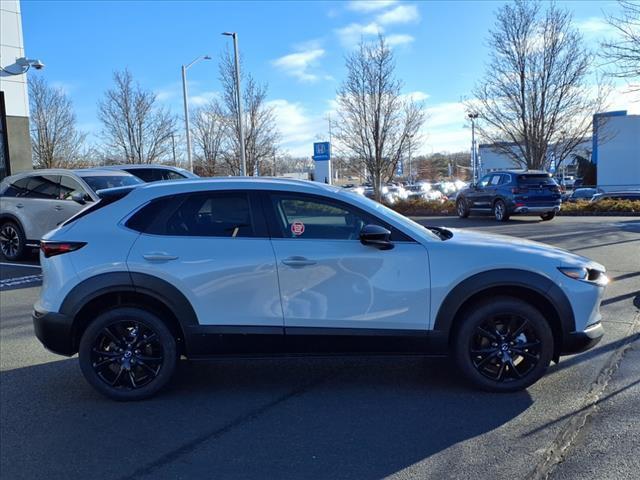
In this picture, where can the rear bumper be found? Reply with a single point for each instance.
(537, 209)
(54, 331)
(577, 342)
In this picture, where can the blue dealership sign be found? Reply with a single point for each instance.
(321, 151)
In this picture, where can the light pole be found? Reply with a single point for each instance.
(473, 116)
(186, 105)
(243, 160)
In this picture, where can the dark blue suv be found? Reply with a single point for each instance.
(511, 192)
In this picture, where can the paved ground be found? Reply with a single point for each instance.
(333, 419)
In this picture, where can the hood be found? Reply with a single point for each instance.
(562, 258)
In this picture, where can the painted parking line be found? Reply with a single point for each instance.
(20, 282)
(26, 265)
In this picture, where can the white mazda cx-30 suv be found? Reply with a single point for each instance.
(237, 266)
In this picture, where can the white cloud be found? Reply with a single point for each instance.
(354, 32)
(369, 5)
(298, 64)
(202, 98)
(416, 96)
(399, 14)
(594, 26)
(399, 39)
(298, 128)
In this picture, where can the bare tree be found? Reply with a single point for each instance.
(135, 129)
(208, 130)
(375, 122)
(536, 93)
(55, 140)
(261, 134)
(624, 52)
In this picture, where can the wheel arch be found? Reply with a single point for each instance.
(114, 289)
(533, 288)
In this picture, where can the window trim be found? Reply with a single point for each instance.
(275, 231)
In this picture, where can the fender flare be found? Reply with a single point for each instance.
(535, 282)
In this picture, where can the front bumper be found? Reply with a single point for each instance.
(576, 342)
(54, 331)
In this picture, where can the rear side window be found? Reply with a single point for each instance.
(37, 186)
(213, 214)
(69, 186)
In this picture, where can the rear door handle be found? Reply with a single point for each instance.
(58, 207)
(298, 261)
(20, 205)
(159, 257)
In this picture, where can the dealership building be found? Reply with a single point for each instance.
(15, 145)
(614, 148)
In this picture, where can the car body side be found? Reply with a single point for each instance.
(457, 271)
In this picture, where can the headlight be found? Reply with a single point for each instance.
(589, 275)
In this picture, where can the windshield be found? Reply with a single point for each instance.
(387, 212)
(100, 182)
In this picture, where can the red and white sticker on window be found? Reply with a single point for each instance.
(297, 228)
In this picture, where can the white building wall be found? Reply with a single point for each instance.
(12, 48)
(619, 153)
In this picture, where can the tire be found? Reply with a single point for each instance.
(493, 359)
(500, 211)
(462, 208)
(121, 371)
(548, 216)
(12, 241)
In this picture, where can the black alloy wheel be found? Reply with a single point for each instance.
(461, 208)
(503, 344)
(127, 354)
(12, 242)
(500, 211)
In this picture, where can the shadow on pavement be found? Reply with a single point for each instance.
(292, 418)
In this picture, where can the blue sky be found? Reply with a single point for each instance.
(298, 48)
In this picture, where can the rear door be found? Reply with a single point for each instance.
(38, 204)
(330, 282)
(214, 247)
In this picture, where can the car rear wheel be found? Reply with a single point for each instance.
(548, 216)
(12, 241)
(127, 354)
(462, 208)
(503, 345)
(500, 211)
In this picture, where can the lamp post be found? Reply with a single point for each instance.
(21, 66)
(243, 160)
(473, 116)
(186, 105)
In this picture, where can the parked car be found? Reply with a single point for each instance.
(32, 203)
(511, 192)
(622, 195)
(155, 173)
(581, 194)
(224, 267)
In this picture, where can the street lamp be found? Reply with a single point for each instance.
(473, 116)
(23, 64)
(243, 160)
(186, 105)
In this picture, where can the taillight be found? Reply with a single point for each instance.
(56, 248)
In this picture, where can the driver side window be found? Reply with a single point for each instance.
(315, 218)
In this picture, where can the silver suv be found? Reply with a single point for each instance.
(33, 203)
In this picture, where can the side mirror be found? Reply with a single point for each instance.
(78, 197)
(376, 236)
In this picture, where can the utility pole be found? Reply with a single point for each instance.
(243, 160)
(473, 117)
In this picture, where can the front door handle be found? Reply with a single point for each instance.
(20, 205)
(298, 261)
(58, 207)
(159, 257)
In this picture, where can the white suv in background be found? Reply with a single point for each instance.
(237, 266)
(33, 203)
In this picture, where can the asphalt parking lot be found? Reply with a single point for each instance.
(355, 418)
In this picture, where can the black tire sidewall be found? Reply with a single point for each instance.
(465, 331)
(21, 238)
(146, 318)
(548, 216)
(505, 216)
(465, 213)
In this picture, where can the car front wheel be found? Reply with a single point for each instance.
(462, 209)
(503, 345)
(12, 241)
(127, 354)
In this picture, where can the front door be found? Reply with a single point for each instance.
(329, 281)
(214, 248)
